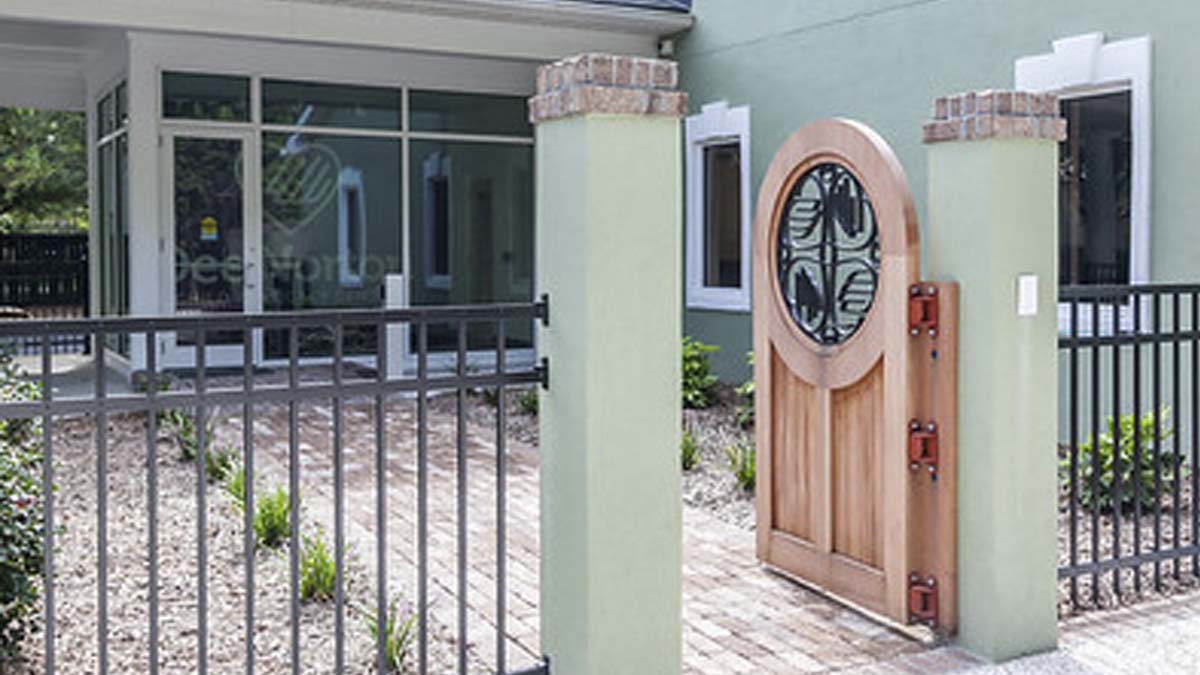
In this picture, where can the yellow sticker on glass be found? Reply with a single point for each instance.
(208, 228)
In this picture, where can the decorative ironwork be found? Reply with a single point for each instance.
(827, 256)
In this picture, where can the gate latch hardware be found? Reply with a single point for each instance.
(923, 446)
(922, 600)
(923, 310)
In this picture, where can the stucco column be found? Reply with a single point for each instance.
(608, 254)
(992, 227)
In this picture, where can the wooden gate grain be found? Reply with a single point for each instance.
(855, 379)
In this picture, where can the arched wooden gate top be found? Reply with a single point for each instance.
(868, 157)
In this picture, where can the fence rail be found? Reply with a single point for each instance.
(302, 393)
(1129, 441)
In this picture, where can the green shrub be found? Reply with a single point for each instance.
(528, 401)
(1145, 471)
(218, 464)
(22, 521)
(235, 486)
(699, 384)
(742, 463)
(689, 451)
(180, 424)
(398, 640)
(272, 522)
(317, 570)
(745, 393)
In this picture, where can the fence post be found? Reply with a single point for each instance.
(993, 224)
(609, 235)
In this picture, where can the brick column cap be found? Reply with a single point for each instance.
(607, 83)
(990, 113)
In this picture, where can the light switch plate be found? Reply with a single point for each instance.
(1027, 292)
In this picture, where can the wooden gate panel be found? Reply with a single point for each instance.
(856, 444)
(800, 494)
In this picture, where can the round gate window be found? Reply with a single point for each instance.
(827, 256)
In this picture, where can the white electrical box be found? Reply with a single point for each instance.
(1027, 295)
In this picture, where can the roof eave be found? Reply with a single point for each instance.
(565, 13)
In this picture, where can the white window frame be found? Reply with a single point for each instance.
(1085, 65)
(350, 181)
(716, 124)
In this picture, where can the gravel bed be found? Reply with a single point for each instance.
(1102, 594)
(76, 612)
(710, 485)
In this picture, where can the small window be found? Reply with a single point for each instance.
(304, 104)
(448, 112)
(352, 228)
(219, 98)
(722, 215)
(1095, 171)
(718, 219)
(437, 222)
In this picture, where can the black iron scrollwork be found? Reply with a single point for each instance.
(828, 254)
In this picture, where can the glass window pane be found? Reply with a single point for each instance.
(105, 117)
(329, 105)
(122, 105)
(1094, 190)
(223, 98)
(472, 232)
(723, 216)
(209, 230)
(468, 113)
(315, 189)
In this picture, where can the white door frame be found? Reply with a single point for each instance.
(173, 355)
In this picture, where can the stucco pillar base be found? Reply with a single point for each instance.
(992, 217)
(608, 255)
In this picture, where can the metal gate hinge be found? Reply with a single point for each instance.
(923, 446)
(922, 600)
(543, 371)
(923, 310)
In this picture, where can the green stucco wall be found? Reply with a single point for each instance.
(608, 233)
(882, 62)
(992, 207)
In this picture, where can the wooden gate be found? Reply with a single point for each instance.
(855, 381)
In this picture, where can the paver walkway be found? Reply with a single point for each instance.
(738, 617)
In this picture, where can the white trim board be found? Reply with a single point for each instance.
(716, 123)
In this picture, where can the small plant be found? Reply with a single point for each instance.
(22, 521)
(742, 463)
(272, 519)
(235, 486)
(218, 464)
(689, 451)
(490, 395)
(528, 401)
(317, 571)
(1144, 474)
(699, 384)
(181, 425)
(399, 636)
(745, 396)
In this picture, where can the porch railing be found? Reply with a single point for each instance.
(1129, 441)
(248, 391)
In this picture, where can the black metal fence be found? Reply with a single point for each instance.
(45, 276)
(294, 395)
(1129, 435)
(44, 270)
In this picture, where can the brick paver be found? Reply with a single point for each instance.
(738, 617)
